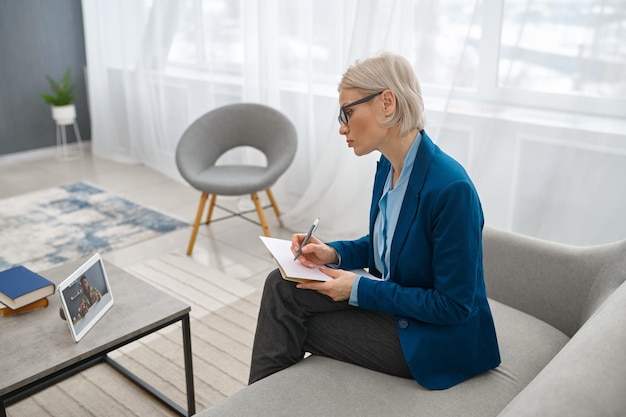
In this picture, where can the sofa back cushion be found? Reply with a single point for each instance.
(560, 284)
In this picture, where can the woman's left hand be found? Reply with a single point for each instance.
(338, 288)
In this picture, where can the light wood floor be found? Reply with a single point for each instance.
(221, 282)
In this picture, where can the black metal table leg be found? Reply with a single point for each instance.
(191, 402)
(191, 396)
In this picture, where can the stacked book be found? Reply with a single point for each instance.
(23, 290)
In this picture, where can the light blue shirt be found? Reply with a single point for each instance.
(389, 206)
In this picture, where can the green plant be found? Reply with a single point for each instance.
(62, 91)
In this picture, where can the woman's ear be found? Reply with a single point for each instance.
(389, 102)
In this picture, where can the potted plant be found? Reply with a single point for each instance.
(61, 99)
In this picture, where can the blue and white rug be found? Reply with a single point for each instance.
(53, 226)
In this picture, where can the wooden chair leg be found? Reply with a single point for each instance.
(211, 207)
(259, 210)
(196, 224)
(274, 205)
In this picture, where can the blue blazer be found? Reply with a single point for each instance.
(436, 289)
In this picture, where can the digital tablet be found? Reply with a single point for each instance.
(85, 296)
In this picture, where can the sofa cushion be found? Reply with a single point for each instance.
(320, 386)
(588, 377)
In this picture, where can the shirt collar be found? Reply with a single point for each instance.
(407, 167)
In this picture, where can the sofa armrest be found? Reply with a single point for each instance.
(587, 377)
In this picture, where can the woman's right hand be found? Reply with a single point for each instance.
(314, 253)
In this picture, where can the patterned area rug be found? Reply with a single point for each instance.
(49, 227)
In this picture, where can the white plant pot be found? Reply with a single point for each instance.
(64, 115)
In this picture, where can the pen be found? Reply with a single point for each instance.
(307, 237)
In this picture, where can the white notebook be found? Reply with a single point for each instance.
(293, 270)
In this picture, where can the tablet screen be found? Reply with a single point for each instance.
(86, 296)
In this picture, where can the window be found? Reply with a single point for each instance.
(209, 37)
(566, 55)
(573, 47)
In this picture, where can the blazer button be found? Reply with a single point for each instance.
(403, 323)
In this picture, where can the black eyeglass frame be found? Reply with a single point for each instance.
(343, 116)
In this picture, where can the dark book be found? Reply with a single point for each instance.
(19, 286)
(43, 303)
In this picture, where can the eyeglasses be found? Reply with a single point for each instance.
(343, 116)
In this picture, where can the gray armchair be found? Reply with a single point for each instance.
(226, 128)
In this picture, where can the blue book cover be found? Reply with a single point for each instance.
(20, 286)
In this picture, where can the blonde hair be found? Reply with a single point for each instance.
(394, 72)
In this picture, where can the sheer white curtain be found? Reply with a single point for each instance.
(527, 94)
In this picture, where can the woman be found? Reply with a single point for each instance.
(427, 318)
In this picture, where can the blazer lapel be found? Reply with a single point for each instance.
(382, 171)
(410, 204)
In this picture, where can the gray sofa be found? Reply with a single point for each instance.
(560, 315)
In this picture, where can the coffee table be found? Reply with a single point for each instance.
(37, 350)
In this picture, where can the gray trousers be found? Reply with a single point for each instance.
(293, 321)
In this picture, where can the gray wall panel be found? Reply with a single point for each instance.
(38, 37)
